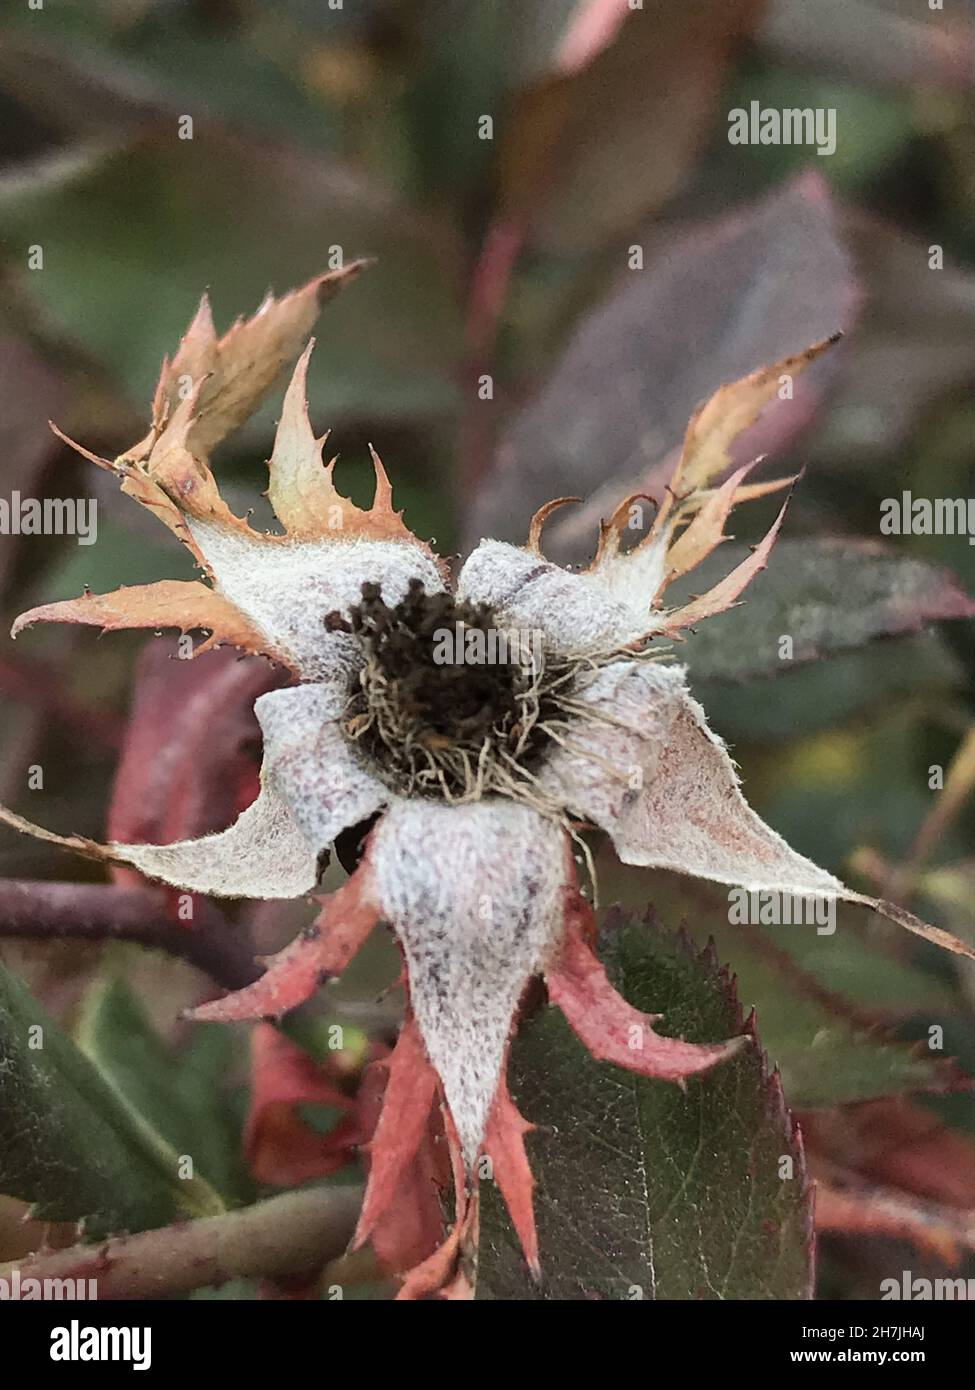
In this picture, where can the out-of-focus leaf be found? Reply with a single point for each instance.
(820, 695)
(31, 391)
(823, 596)
(391, 354)
(888, 41)
(460, 75)
(90, 69)
(646, 1190)
(713, 303)
(951, 888)
(191, 754)
(70, 1143)
(872, 127)
(282, 1146)
(578, 163)
(893, 1168)
(205, 1081)
(898, 1144)
(865, 784)
(472, 61)
(825, 1058)
(915, 344)
(849, 968)
(115, 1033)
(855, 1209)
(828, 1050)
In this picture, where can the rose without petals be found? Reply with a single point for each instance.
(474, 776)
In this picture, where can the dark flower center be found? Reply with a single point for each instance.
(447, 702)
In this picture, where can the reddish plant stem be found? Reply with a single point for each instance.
(489, 287)
(39, 911)
(485, 306)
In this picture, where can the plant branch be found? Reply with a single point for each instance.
(40, 911)
(292, 1235)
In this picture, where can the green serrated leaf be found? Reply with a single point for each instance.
(69, 1143)
(645, 1189)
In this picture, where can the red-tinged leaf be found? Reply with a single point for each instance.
(715, 298)
(185, 604)
(280, 1146)
(933, 1228)
(441, 1275)
(320, 952)
(612, 1029)
(897, 1144)
(191, 755)
(411, 1090)
(914, 347)
(504, 1145)
(412, 1227)
(575, 164)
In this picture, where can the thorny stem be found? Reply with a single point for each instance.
(295, 1234)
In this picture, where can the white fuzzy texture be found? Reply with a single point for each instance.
(287, 588)
(473, 893)
(675, 803)
(262, 855)
(633, 579)
(310, 764)
(573, 612)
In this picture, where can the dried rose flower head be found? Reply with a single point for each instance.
(472, 777)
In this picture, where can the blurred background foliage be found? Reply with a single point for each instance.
(321, 130)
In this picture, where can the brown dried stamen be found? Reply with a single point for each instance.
(447, 703)
(457, 728)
